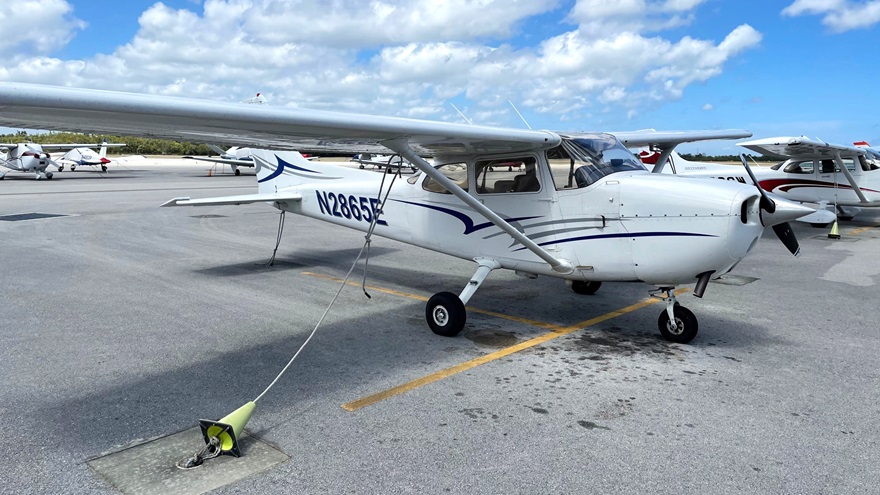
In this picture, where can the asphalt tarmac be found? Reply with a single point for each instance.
(122, 322)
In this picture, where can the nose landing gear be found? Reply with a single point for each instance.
(677, 323)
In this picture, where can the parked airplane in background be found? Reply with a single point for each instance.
(871, 155)
(235, 157)
(86, 156)
(382, 162)
(812, 171)
(586, 210)
(34, 158)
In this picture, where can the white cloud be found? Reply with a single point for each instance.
(838, 15)
(36, 26)
(401, 58)
(708, 106)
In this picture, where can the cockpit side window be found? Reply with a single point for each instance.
(507, 175)
(582, 160)
(457, 172)
(802, 167)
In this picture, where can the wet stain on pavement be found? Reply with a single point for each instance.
(592, 426)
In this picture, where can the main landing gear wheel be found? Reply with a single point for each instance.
(445, 314)
(103, 168)
(73, 168)
(49, 175)
(237, 172)
(584, 287)
(683, 330)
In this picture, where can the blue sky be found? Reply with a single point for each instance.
(775, 68)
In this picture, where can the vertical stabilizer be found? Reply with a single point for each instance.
(280, 169)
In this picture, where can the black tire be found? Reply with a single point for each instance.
(60, 168)
(49, 175)
(584, 287)
(73, 168)
(686, 322)
(445, 314)
(103, 168)
(237, 172)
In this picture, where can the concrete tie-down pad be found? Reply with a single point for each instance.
(151, 468)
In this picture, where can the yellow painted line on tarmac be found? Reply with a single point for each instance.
(863, 229)
(494, 356)
(541, 324)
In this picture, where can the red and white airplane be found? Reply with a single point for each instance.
(34, 158)
(810, 171)
(78, 157)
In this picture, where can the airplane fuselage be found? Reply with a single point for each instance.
(616, 229)
(26, 157)
(802, 180)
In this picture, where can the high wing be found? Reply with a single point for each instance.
(666, 141)
(800, 147)
(61, 108)
(243, 199)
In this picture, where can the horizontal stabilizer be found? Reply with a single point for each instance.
(243, 199)
(227, 161)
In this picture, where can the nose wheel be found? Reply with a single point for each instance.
(677, 323)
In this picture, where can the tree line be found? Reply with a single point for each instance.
(133, 145)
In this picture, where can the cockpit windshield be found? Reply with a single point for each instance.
(594, 156)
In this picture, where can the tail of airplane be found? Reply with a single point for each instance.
(861, 144)
(257, 100)
(280, 169)
(102, 155)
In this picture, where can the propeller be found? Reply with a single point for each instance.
(779, 222)
(48, 158)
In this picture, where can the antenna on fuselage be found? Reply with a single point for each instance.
(462, 115)
(520, 115)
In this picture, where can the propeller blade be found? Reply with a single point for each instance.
(786, 235)
(767, 204)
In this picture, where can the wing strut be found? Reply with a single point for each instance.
(401, 146)
(664, 157)
(849, 177)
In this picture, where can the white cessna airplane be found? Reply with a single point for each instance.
(83, 156)
(812, 171)
(34, 158)
(235, 157)
(584, 209)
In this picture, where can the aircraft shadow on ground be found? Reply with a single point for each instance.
(341, 364)
(339, 259)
